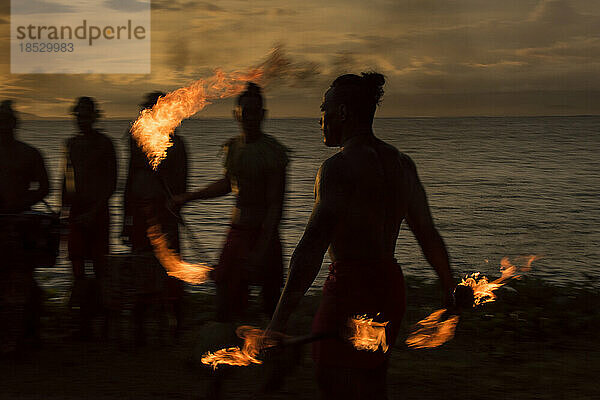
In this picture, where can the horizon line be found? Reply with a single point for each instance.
(316, 117)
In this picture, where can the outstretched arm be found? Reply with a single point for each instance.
(308, 256)
(219, 188)
(421, 223)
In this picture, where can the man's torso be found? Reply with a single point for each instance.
(249, 167)
(18, 163)
(90, 157)
(377, 182)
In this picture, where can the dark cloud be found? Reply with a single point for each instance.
(555, 12)
(185, 5)
(128, 5)
(456, 57)
(39, 7)
(280, 12)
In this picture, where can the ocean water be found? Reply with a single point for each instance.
(496, 186)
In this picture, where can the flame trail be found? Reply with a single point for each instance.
(483, 290)
(152, 129)
(436, 329)
(173, 264)
(255, 341)
(433, 331)
(367, 334)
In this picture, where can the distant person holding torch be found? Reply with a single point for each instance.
(363, 193)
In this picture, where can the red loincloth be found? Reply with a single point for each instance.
(358, 288)
(232, 271)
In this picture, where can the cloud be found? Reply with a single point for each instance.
(185, 5)
(128, 5)
(39, 7)
(433, 51)
(554, 11)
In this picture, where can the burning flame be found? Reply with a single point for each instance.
(152, 129)
(436, 329)
(367, 334)
(483, 290)
(255, 341)
(433, 331)
(170, 260)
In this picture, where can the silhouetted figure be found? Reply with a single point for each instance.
(90, 178)
(363, 193)
(255, 170)
(23, 177)
(23, 183)
(147, 191)
(145, 204)
(89, 182)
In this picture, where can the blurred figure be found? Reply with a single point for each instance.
(90, 180)
(255, 171)
(23, 183)
(362, 195)
(147, 191)
(23, 177)
(145, 204)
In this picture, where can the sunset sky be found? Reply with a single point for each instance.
(441, 57)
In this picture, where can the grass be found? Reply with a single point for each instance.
(535, 342)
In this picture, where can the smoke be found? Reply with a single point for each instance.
(280, 69)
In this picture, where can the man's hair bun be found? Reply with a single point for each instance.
(374, 82)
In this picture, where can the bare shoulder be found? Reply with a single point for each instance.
(393, 153)
(332, 177)
(333, 167)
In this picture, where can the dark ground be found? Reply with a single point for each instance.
(535, 342)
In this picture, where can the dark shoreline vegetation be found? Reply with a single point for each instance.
(536, 341)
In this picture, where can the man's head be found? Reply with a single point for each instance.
(350, 102)
(86, 112)
(249, 111)
(8, 120)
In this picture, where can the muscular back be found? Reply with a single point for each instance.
(372, 184)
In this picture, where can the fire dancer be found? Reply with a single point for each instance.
(147, 190)
(255, 170)
(145, 199)
(363, 193)
(89, 182)
(23, 183)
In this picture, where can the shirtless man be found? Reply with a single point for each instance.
(23, 183)
(255, 170)
(363, 193)
(23, 176)
(90, 180)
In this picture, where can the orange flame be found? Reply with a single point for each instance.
(483, 290)
(255, 341)
(434, 330)
(152, 129)
(170, 260)
(367, 334)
